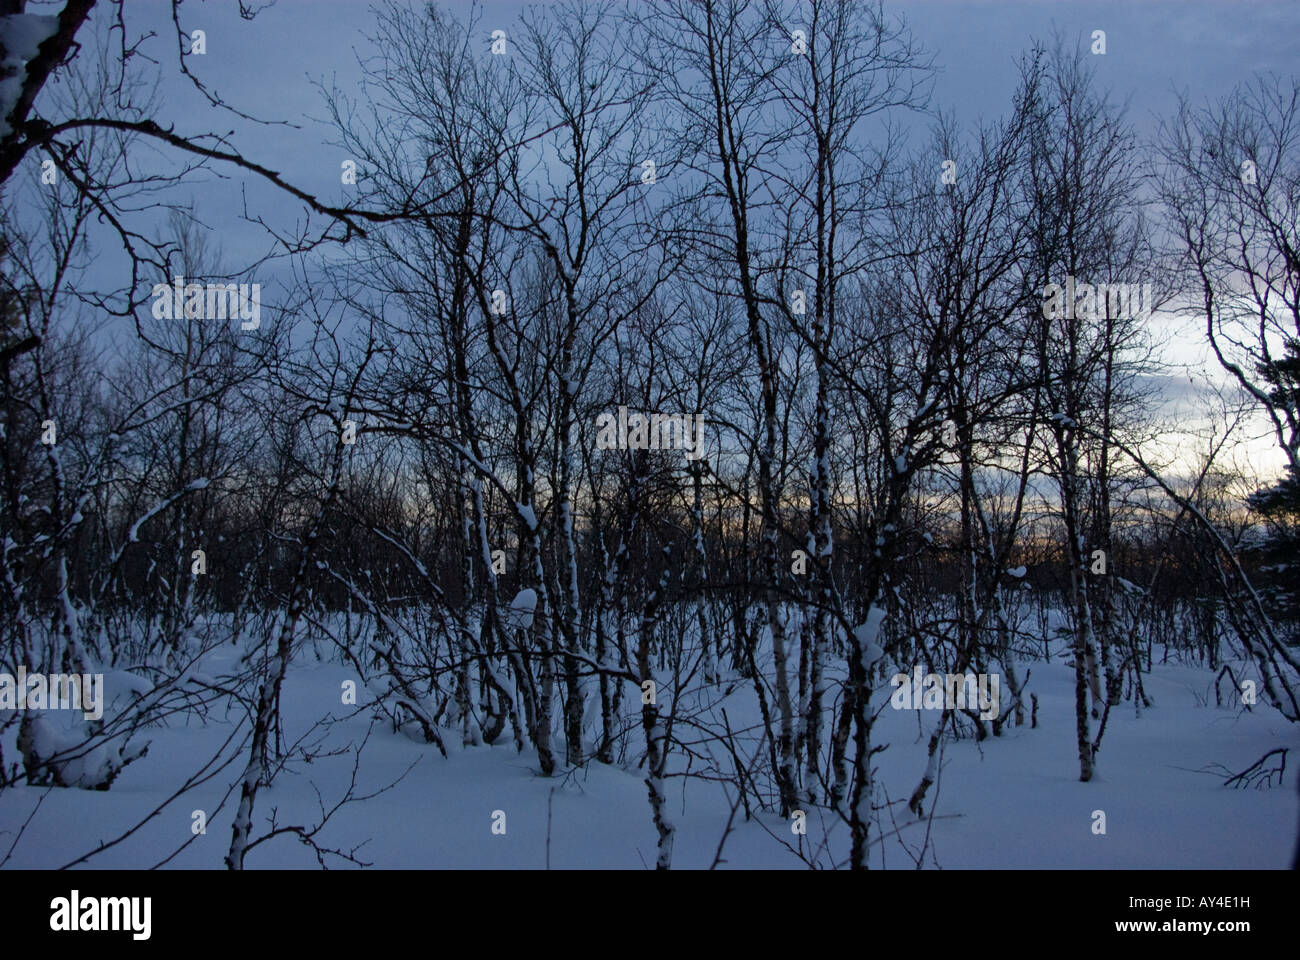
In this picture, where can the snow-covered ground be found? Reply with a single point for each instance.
(1013, 801)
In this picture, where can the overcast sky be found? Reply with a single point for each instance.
(1153, 48)
(266, 67)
